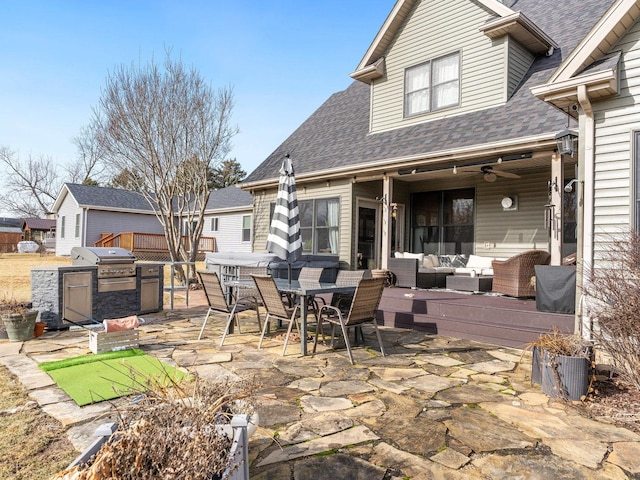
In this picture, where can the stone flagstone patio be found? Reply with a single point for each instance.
(434, 407)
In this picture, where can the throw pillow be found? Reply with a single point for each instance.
(427, 262)
(399, 255)
(459, 261)
(444, 260)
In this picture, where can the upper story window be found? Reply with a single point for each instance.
(432, 85)
(77, 229)
(214, 224)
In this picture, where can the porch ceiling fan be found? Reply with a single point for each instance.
(491, 175)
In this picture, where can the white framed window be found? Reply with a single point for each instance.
(62, 222)
(246, 228)
(214, 224)
(432, 85)
(77, 230)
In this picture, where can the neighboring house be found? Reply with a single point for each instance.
(41, 230)
(439, 145)
(85, 212)
(229, 218)
(10, 234)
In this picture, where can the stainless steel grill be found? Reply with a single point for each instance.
(101, 256)
(116, 270)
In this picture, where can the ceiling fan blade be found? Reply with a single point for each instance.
(506, 174)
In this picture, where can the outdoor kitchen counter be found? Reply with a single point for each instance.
(52, 298)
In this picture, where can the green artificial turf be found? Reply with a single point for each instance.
(94, 378)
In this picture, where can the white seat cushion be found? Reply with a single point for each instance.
(478, 262)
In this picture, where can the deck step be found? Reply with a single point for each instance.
(501, 321)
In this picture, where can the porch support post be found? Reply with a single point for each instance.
(557, 189)
(387, 194)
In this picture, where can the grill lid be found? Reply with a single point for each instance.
(101, 255)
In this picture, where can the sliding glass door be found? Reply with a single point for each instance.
(442, 222)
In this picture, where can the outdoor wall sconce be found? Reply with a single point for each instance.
(567, 142)
(509, 203)
(394, 210)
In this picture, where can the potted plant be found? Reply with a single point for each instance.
(562, 364)
(191, 429)
(18, 319)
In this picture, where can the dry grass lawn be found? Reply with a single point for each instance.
(15, 272)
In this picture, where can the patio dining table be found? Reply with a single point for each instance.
(303, 290)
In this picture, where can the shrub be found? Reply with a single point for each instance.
(613, 305)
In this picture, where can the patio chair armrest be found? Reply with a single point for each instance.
(330, 310)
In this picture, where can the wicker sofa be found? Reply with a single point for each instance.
(513, 276)
(410, 273)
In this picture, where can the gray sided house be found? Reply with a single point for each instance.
(439, 145)
(229, 218)
(84, 212)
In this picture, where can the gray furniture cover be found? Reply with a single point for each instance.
(555, 288)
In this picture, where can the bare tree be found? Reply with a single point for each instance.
(169, 129)
(88, 167)
(31, 186)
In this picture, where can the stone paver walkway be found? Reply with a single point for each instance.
(433, 408)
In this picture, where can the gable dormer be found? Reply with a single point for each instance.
(433, 59)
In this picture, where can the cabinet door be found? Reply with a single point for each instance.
(150, 295)
(77, 300)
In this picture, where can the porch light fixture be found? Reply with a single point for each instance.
(567, 142)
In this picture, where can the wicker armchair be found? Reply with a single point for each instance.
(514, 276)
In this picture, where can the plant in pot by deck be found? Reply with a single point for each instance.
(18, 318)
(612, 293)
(564, 362)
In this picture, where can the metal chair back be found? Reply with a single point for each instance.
(366, 301)
(310, 274)
(271, 298)
(213, 291)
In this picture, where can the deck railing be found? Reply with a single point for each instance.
(149, 242)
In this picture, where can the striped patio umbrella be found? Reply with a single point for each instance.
(284, 236)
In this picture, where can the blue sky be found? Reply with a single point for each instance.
(283, 59)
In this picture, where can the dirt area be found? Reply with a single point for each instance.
(32, 445)
(615, 403)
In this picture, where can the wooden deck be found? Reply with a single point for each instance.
(151, 246)
(499, 320)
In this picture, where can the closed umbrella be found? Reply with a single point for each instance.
(284, 236)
